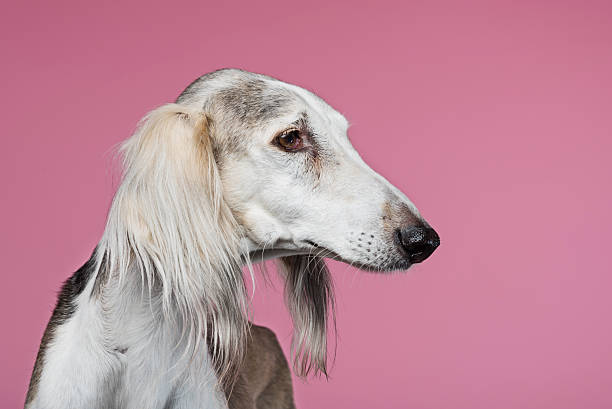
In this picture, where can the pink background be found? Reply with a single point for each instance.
(494, 118)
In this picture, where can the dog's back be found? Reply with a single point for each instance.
(264, 380)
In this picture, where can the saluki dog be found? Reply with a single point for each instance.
(241, 168)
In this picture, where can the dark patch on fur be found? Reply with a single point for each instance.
(101, 277)
(253, 101)
(64, 309)
(264, 378)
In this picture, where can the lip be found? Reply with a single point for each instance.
(322, 251)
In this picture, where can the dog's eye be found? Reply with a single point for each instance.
(290, 140)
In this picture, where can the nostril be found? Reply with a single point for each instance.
(417, 242)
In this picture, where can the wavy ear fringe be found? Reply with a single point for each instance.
(169, 223)
(310, 299)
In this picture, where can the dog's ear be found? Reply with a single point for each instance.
(170, 221)
(310, 299)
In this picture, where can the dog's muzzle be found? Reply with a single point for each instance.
(417, 242)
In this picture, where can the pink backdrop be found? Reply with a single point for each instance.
(495, 119)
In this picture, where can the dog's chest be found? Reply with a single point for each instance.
(158, 368)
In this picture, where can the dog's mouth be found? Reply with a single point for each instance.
(311, 243)
(319, 250)
(312, 248)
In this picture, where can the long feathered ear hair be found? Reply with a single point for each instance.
(309, 296)
(169, 223)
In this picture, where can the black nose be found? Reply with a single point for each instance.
(417, 242)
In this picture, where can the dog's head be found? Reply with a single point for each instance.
(294, 181)
(246, 166)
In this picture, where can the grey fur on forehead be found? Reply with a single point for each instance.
(243, 96)
(248, 97)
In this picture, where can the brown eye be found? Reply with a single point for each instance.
(290, 140)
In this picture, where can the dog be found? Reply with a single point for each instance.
(240, 168)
